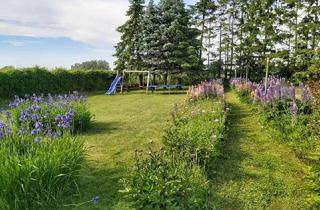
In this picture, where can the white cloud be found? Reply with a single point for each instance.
(89, 21)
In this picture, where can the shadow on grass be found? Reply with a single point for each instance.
(98, 127)
(172, 92)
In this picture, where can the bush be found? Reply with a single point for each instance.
(159, 182)
(40, 80)
(39, 158)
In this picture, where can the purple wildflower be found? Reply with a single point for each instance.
(95, 200)
(8, 115)
(292, 92)
(35, 117)
(294, 109)
(37, 140)
(38, 125)
(35, 131)
(22, 131)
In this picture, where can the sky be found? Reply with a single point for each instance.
(59, 33)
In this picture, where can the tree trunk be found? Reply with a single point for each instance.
(220, 53)
(202, 32)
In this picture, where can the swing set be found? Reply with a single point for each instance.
(125, 82)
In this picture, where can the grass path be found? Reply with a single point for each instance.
(122, 124)
(254, 171)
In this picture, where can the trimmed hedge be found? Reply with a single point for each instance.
(42, 81)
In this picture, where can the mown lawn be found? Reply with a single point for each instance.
(255, 171)
(122, 124)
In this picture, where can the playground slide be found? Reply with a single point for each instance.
(114, 85)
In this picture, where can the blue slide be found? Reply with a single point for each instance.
(114, 85)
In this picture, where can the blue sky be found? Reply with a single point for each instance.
(58, 34)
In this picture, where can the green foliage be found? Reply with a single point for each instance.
(40, 158)
(35, 175)
(314, 85)
(245, 95)
(159, 182)
(293, 129)
(92, 65)
(39, 80)
(197, 130)
(175, 177)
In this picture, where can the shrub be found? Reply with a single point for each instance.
(159, 182)
(39, 158)
(39, 80)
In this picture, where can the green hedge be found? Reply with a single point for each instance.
(40, 80)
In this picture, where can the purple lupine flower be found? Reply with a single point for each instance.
(292, 91)
(284, 93)
(37, 140)
(294, 109)
(95, 200)
(305, 96)
(301, 85)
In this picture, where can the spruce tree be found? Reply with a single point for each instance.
(179, 46)
(129, 49)
(151, 36)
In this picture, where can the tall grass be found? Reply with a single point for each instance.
(40, 158)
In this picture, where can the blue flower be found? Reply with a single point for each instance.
(35, 131)
(37, 140)
(8, 115)
(35, 117)
(39, 125)
(3, 125)
(46, 116)
(95, 200)
(22, 131)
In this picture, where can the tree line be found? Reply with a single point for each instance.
(225, 37)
